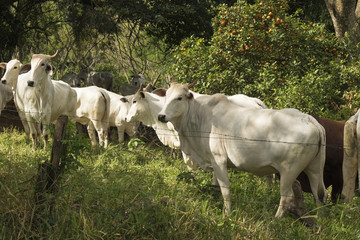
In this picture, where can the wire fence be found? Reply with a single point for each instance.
(164, 132)
(236, 201)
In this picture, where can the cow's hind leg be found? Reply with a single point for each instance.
(24, 123)
(102, 130)
(92, 135)
(315, 175)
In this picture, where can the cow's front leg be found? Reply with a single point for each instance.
(45, 134)
(120, 131)
(33, 132)
(287, 200)
(24, 123)
(220, 171)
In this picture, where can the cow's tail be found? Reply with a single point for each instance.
(321, 155)
(105, 117)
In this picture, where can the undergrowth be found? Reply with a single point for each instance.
(136, 191)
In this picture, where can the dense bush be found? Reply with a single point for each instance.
(262, 51)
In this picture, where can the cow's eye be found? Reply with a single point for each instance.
(134, 102)
(43, 64)
(179, 98)
(15, 67)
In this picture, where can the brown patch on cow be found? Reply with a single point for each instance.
(25, 68)
(333, 175)
(160, 92)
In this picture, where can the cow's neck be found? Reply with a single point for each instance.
(14, 83)
(155, 104)
(186, 118)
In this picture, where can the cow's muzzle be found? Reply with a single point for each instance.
(30, 83)
(3, 81)
(161, 118)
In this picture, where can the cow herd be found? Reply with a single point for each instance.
(41, 100)
(213, 132)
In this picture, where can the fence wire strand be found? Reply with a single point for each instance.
(203, 134)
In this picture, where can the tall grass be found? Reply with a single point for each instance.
(145, 192)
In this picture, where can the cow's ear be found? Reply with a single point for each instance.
(142, 94)
(3, 65)
(49, 69)
(124, 100)
(190, 96)
(160, 92)
(25, 68)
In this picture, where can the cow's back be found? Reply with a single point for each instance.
(64, 100)
(101, 79)
(241, 132)
(92, 103)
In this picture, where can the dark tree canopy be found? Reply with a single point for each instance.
(26, 23)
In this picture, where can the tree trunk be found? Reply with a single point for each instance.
(345, 15)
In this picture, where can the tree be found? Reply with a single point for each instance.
(345, 15)
(88, 31)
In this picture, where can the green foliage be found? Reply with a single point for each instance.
(262, 51)
(134, 143)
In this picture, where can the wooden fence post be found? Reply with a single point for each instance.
(49, 173)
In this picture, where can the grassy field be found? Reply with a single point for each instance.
(138, 191)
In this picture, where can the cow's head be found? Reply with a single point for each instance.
(138, 105)
(12, 72)
(137, 80)
(40, 68)
(176, 102)
(83, 76)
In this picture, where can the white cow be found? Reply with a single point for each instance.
(119, 107)
(218, 134)
(92, 109)
(10, 78)
(44, 99)
(6, 93)
(351, 162)
(64, 98)
(37, 93)
(146, 106)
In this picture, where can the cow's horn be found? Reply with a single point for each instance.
(31, 52)
(141, 87)
(57, 51)
(192, 84)
(147, 88)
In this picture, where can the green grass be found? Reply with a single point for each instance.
(145, 192)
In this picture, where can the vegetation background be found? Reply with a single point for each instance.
(287, 53)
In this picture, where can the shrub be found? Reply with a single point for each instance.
(262, 51)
